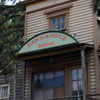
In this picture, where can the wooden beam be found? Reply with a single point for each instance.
(83, 65)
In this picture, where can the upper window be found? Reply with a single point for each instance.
(58, 17)
(4, 91)
(58, 23)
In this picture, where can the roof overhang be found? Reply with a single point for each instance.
(26, 2)
(55, 51)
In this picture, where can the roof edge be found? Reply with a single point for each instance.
(26, 2)
(30, 1)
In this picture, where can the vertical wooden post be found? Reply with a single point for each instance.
(83, 65)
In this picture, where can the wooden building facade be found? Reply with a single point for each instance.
(66, 70)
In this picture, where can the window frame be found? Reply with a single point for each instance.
(70, 75)
(53, 71)
(76, 80)
(58, 11)
(56, 15)
(57, 23)
(1, 87)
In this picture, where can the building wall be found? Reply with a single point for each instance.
(10, 80)
(80, 20)
(99, 71)
(16, 82)
(19, 80)
(81, 26)
(98, 33)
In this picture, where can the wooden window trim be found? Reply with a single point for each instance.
(31, 80)
(4, 85)
(70, 78)
(58, 11)
(55, 9)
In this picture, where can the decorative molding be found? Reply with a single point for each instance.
(54, 9)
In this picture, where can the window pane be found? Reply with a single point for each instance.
(5, 91)
(74, 86)
(38, 95)
(63, 26)
(79, 73)
(59, 79)
(53, 21)
(80, 92)
(38, 81)
(63, 19)
(74, 74)
(54, 27)
(74, 93)
(58, 20)
(49, 94)
(80, 85)
(58, 27)
(58, 23)
(48, 83)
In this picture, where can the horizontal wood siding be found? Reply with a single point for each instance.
(19, 80)
(99, 71)
(91, 67)
(81, 21)
(10, 79)
(98, 33)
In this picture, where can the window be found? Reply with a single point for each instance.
(5, 89)
(77, 82)
(48, 85)
(58, 17)
(58, 23)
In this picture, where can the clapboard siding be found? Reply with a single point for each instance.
(36, 23)
(98, 33)
(99, 71)
(19, 80)
(10, 79)
(91, 62)
(81, 21)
